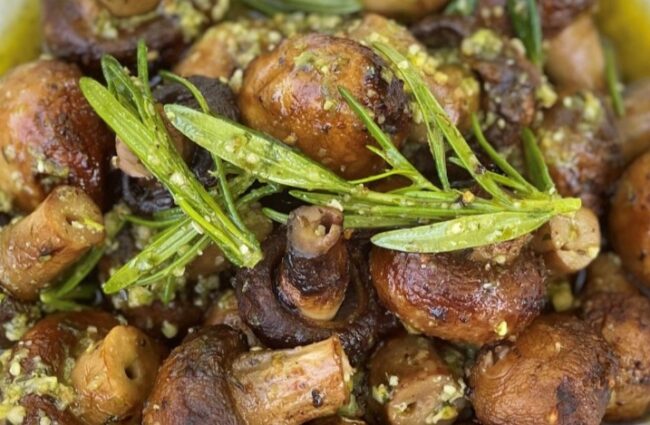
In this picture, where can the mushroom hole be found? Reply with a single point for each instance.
(313, 231)
(132, 372)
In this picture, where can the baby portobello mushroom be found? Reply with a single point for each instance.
(569, 243)
(292, 93)
(634, 126)
(606, 274)
(578, 46)
(213, 378)
(49, 135)
(629, 219)
(81, 368)
(311, 285)
(39, 247)
(558, 371)
(225, 312)
(624, 321)
(412, 385)
(411, 9)
(472, 296)
(580, 144)
(81, 31)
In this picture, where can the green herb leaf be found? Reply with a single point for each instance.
(462, 233)
(528, 27)
(613, 79)
(461, 7)
(271, 7)
(535, 163)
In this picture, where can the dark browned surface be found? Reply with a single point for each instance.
(49, 135)
(581, 146)
(557, 372)
(37, 249)
(292, 94)
(69, 34)
(412, 9)
(453, 297)
(624, 322)
(629, 220)
(634, 126)
(359, 323)
(192, 386)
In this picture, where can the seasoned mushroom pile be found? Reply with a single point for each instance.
(341, 212)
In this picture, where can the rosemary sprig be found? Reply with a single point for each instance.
(459, 219)
(613, 79)
(528, 27)
(535, 164)
(271, 7)
(127, 106)
(461, 7)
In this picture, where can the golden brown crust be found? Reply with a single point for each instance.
(452, 297)
(624, 321)
(50, 135)
(557, 372)
(292, 94)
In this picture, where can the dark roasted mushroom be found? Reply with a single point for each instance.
(622, 317)
(634, 126)
(412, 385)
(212, 378)
(38, 248)
(461, 296)
(606, 274)
(336, 420)
(629, 220)
(569, 243)
(292, 93)
(16, 318)
(558, 371)
(56, 368)
(82, 31)
(49, 135)
(280, 297)
(580, 144)
(575, 58)
(412, 9)
(225, 312)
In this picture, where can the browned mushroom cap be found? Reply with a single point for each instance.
(606, 274)
(49, 135)
(629, 219)
(44, 356)
(557, 372)
(577, 47)
(581, 146)
(16, 318)
(624, 322)
(292, 94)
(404, 9)
(225, 312)
(457, 298)
(211, 378)
(113, 377)
(454, 86)
(412, 385)
(81, 31)
(38, 248)
(634, 126)
(569, 243)
(359, 322)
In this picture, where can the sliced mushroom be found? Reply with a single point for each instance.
(38, 248)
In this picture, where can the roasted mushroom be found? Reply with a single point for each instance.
(16, 318)
(624, 322)
(336, 420)
(580, 144)
(569, 243)
(225, 312)
(38, 248)
(412, 385)
(606, 274)
(411, 9)
(558, 371)
(292, 93)
(81, 368)
(307, 276)
(49, 135)
(577, 47)
(212, 378)
(629, 219)
(634, 126)
(461, 296)
(82, 31)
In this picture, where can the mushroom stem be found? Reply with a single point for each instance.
(114, 377)
(38, 248)
(292, 386)
(314, 273)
